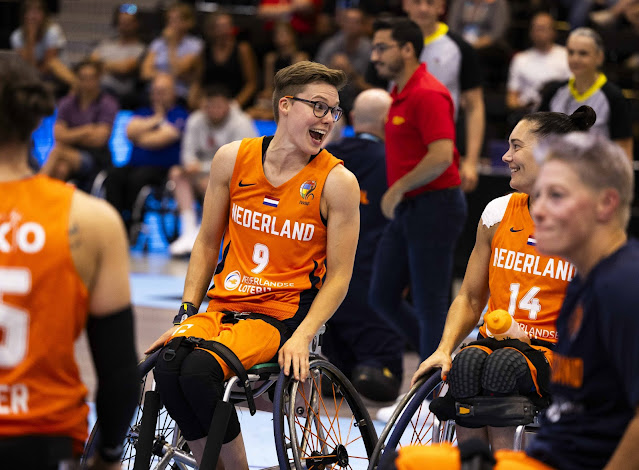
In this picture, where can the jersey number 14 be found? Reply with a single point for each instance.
(528, 302)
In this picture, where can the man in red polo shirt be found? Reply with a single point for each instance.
(424, 202)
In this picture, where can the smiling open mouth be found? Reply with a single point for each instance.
(317, 135)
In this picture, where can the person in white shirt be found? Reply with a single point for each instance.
(219, 121)
(529, 70)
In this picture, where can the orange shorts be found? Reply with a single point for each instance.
(253, 341)
(446, 457)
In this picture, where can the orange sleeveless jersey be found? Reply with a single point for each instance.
(275, 244)
(528, 285)
(43, 308)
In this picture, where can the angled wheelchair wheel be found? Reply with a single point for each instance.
(169, 216)
(321, 423)
(164, 446)
(413, 422)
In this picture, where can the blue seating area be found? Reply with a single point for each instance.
(151, 238)
(120, 146)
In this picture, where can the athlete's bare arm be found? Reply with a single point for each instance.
(466, 309)
(215, 216)
(100, 252)
(99, 249)
(340, 206)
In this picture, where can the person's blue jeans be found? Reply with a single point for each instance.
(417, 249)
(578, 11)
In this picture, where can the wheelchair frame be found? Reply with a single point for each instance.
(302, 440)
(410, 407)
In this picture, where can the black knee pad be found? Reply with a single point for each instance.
(465, 374)
(167, 370)
(507, 373)
(167, 377)
(202, 383)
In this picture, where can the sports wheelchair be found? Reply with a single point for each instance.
(318, 424)
(154, 200)
(414, 423)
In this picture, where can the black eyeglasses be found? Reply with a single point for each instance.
(321, 109)
(381, 47)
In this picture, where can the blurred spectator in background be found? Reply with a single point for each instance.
(301, 14)
(350, 42)
(589, 86)
(481, 22)
(175, 52)
(39, 41)
(286, 53)
(226, 61)
(120, 56)
(349, 50)
(611, 14)
(82, 130)
(631, 14)
(531, 69)
(484, 23)
(452, 61)
(357, 340)
(219, 121)
(579, 12)
(155, 133)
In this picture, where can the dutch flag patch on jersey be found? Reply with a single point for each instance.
(531, 241)
(271, 201)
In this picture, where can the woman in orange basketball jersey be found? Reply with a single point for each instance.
(289, 212)
(506, 272)
(63, 267)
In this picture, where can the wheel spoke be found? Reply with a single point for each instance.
(312, 433)
(309, 407)
(321, 399)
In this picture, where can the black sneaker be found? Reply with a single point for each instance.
(376, 384)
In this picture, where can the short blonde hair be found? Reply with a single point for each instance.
(291, 80)
(599, 163)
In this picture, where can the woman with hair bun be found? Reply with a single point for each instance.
(589, 86)
(63, 267)
(506, 272)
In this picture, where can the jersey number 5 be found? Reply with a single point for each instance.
(527, 302)
(14, 322)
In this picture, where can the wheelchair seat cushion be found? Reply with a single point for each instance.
(265, 369)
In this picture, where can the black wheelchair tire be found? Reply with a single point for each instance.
(144, 367)
(425, 390)
(346, 389)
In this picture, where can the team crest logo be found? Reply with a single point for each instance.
(306, 190)
(232, 281)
